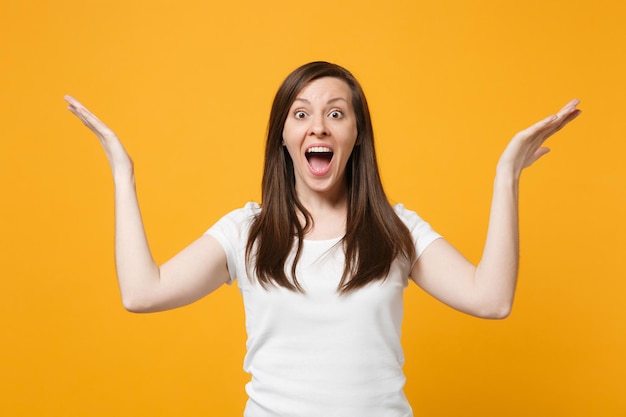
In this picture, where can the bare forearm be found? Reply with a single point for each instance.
(496, 275)
(137, 271)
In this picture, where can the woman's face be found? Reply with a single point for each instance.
(319, 134)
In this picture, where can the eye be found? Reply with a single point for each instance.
(335, 114)
(299, 114)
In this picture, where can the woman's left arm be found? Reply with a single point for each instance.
(487, 290)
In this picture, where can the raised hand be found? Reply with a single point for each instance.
(527, 146)
(119, 160)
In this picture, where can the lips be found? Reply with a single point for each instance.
(319, 159)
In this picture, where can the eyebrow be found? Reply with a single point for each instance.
(332, 100)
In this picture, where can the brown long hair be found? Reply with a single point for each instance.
(375, 236)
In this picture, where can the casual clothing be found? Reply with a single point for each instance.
(319, 353)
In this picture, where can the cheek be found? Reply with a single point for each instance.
(352, 137)
(290, 147)
(292, 136)
(288, 133)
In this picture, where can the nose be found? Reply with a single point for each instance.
(318, 127)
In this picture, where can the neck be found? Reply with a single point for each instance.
(329, 212)
(328, 199)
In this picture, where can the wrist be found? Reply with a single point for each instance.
(123, 175)
(506, 179)
(507, 172)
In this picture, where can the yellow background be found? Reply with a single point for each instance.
(188, 84)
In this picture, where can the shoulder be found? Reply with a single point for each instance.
(421, 231)
(236, 221)
(231, 231)
(247, 212)
(409, 217)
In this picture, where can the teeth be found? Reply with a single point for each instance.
(318, 149)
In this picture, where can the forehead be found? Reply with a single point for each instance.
(325, 89)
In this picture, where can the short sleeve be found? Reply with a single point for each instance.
(231, 231)
(423, 234)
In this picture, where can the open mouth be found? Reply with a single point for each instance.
(319, 158)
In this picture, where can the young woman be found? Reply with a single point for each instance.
(323, 262)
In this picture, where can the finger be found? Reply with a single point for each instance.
(572, 104)
(552, 124)
(74, 104)
(566, 119)
(76, 107)
(560, 122)
(88, 118)
(562, 114)
(72, 101)
(540, 152)
(537, 128)
(85, 116)
(568, 108)
(536, 155)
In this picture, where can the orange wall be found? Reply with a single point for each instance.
(187, 85)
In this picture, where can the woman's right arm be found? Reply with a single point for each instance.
(145, 287)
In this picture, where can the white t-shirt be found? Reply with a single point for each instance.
(319, 353)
